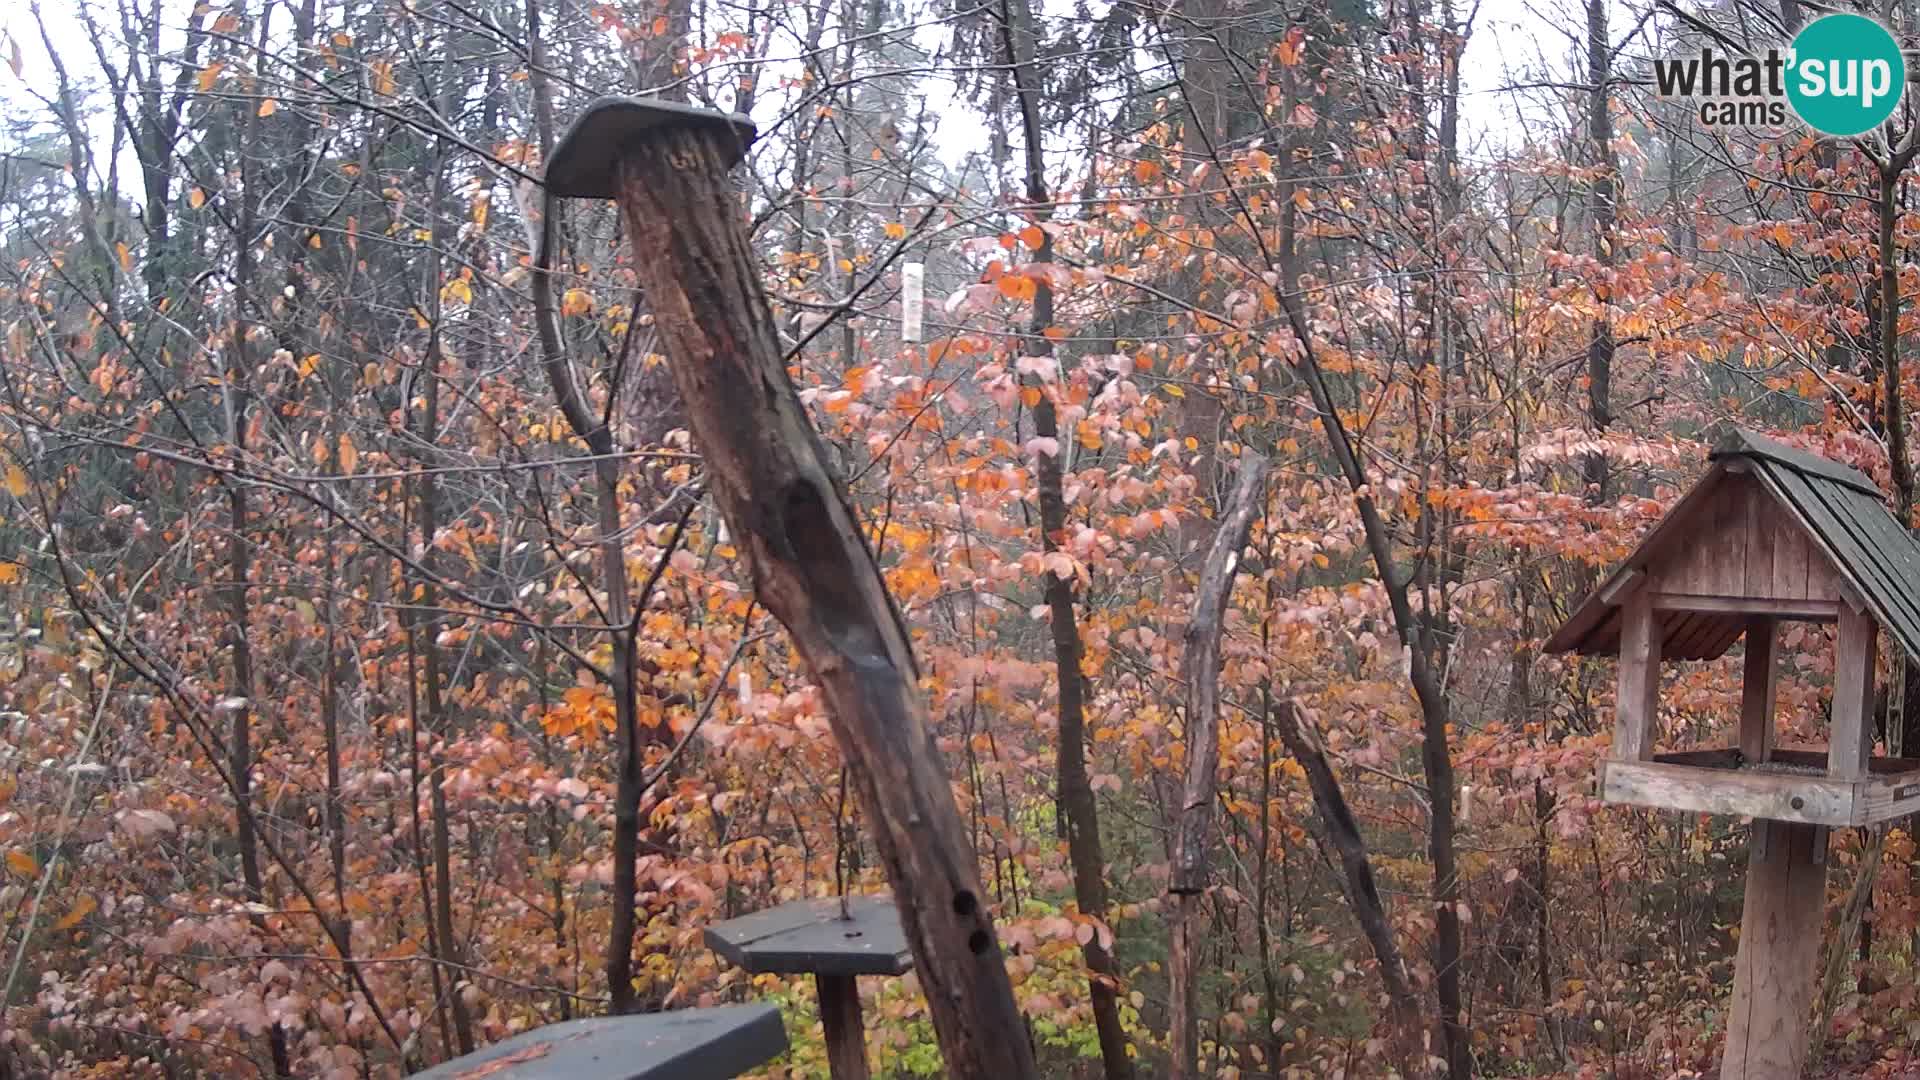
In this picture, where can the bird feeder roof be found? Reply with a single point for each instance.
(1757, 490)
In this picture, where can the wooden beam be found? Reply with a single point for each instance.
(1792, 610)
(1637, 702)
(1756, 689)
(1852, 742)
(1779, 959)
(840, 1019)
(1812, 800)
(1620, 587)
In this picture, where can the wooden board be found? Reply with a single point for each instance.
(685, 1044)
(1714, 781)
(1811, 800)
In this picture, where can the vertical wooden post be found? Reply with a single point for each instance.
(1756, 691)
(1779, 959)
(1852, 743)
(840, 1017)
(1638, 700)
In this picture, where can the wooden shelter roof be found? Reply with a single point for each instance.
(1838, 509)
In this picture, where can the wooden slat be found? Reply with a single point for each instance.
(1852, 743)
(1761, 523)
(1822, 800)
(1796, 610)
(1779, 959)
(1637, 702)
(1706, 629)
(1756, 690)
(1830, 513)
(1792, 554)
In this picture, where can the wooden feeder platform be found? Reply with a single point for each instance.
(835, 940)
(684, 1044)
(809, 937)
(1791, 785)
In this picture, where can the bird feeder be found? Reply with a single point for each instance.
(1770, 535)
(835, 941)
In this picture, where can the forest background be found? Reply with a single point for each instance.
(359, 706)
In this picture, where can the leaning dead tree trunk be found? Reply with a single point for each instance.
(1193, 827)
(812, 568)
(1338, 830)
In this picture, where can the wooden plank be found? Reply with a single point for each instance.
(1756, 689)
(1765, 451)
(1813, 800)
(1792, 557)
(840, 1021)
(1798, 610)
(1852, 743)
(1830, 512)
(1637, 702)
(1779, 960)
(1726, 547)
(1762, 523)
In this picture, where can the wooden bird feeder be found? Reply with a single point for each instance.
(1770, 535)
(835, 941)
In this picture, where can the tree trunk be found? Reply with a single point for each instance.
(767, 469)
(1193, 823)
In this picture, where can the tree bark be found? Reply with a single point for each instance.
(1193, 825)
(767, 469)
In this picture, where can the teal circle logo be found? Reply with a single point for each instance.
(1846, 74)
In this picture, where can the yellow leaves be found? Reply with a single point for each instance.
(9, 574)
(1173, 391)
(1030, 396)
(22, 863)
(196, 198)
(576, 302)
(482, 206)
(82, 908)
(16, 481)
(349, 454)
(314, 241)
(381, 76)
(126, 256)
(1290, 49)
(1146, 171)
(661, 26)
(896, 231)
(268, 107)
(342, 39)
(210, 75)
(1034, 237)
(457, 291)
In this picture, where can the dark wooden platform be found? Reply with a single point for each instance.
(685, 1044)
(809, 937)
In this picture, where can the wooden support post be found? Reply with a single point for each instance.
(768, 471)
(840, 1017)
(1779, 961)
(1637, 703)
(1756, 693)
(1852, 743)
